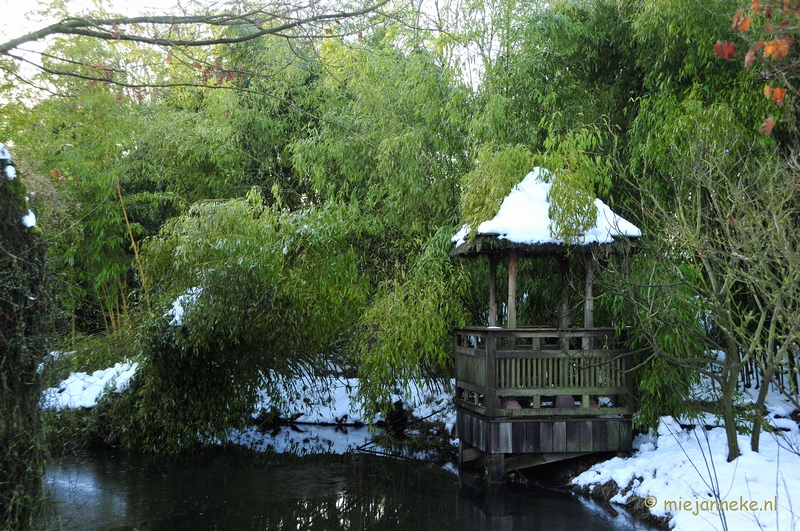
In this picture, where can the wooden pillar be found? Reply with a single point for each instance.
(563, 321)
(495, 469)
(492, 290)
(512, 290)
(490, 400)
(588, 301)
(563, 317)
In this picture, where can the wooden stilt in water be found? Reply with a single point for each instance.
(495, 468)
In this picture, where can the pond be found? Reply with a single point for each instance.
(241, 491)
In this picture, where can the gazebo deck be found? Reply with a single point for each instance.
(542, 391)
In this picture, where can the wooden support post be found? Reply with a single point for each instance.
(496, 468)
(491, 402)
(563, 262)
(588, 302)
(585, 401)
(512, 290)
(563, 321)
(492, 290)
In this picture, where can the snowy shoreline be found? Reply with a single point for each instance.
(681, 475)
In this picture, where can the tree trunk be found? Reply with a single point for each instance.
(760, 412)
(728, 389)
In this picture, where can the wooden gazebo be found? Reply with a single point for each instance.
(528, 395)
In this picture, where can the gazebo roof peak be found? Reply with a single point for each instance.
(523, 223)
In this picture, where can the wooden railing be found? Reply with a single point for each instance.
(534, 372)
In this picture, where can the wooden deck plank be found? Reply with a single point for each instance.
(612, 435)
(573, 436)
(599, 441)
(564, 412)
(519, 437)
(587, 437)
(560, 436)
(546, 437)
(501, 438)
(625, 436)
(532, 435)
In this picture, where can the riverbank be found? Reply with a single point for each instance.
(680, 477)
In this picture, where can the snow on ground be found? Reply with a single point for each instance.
(303, 439)
(680, 472)
(330, 402)
(327, 403)
(84, 390)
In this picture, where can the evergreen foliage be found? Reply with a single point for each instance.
(23, 317)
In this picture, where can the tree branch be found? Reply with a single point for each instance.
(111, 28)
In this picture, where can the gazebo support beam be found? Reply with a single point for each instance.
(563, 321)
(588, 302)
(512, 289)
(492, 290)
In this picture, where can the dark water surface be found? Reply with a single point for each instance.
(110, 491)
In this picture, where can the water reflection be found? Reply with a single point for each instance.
(353, 492)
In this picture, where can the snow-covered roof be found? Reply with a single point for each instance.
(524, 219)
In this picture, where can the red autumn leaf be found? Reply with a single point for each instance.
(777, 96)
(739, 22)
(756, 7)
(767, 11)
(197, 65)
(744, 24)
(730, 217)
(776, 48)
(768, 27)
(767, 126)
(724, 49)
(55, 174)
(360, 35)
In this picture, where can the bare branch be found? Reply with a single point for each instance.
(111, 28)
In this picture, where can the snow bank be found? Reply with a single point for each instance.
(331, 401)
(679, 473)
(524, 218)
(85, 390)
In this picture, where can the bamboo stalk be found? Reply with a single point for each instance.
(133, 243)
